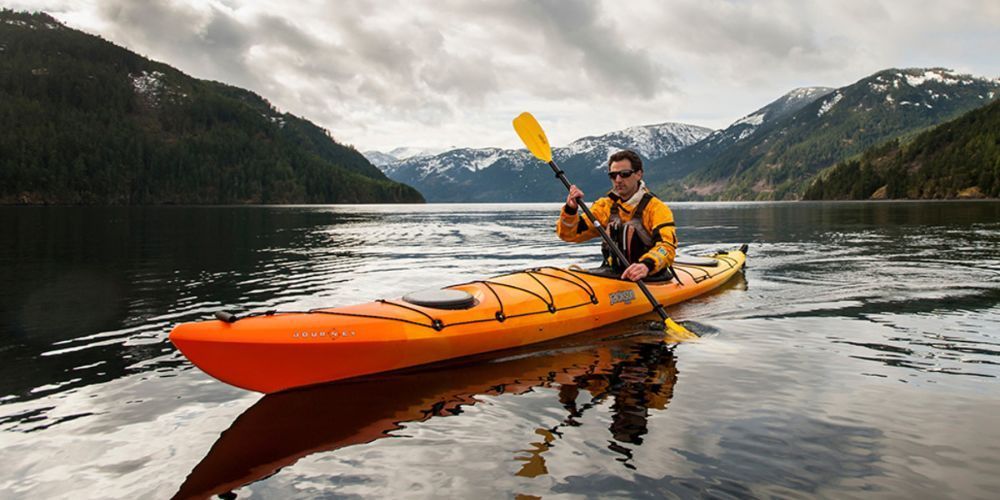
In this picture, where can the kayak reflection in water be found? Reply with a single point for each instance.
(637, 384)
(273, 434)
(637, 221)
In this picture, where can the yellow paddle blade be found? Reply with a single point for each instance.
(677, 333)
(533, 136)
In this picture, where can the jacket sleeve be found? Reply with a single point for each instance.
(574, 227)
(659, 221)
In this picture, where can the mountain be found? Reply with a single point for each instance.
(710, 148)
(957, 159)
(474, 175)
(88, 122)
(778, 162)
(492, 174)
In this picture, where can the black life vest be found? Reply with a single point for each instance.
(630, 236)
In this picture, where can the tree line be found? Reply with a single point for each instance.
(956, 159)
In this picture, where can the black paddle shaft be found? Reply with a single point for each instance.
(610, 243)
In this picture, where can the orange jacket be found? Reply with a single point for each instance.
(657, 219)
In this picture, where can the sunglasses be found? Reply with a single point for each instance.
(624, 174)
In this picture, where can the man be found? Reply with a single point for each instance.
(639, 223)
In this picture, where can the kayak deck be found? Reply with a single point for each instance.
(272, 352)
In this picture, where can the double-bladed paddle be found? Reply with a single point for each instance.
(533, 136)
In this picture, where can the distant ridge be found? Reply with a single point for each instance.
(513, 175)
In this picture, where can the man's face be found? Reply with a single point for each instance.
(622, 186)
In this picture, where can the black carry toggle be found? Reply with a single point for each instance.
(226, 316)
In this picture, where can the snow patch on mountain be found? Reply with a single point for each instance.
(147, 83)
(917, 77)
(947, 77)
(279, 120)
(879, 87)
(829, 103)
(908, 103)
(752, 120)
(485, 159)
(33, 24)
(807, 92)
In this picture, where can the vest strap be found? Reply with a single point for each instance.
(632, 235)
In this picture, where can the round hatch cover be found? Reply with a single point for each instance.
(441, 299)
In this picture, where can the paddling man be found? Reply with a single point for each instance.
(641, 224)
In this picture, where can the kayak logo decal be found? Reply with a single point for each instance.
(625, 296)
(332, 335)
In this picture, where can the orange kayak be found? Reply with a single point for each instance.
(276, 351)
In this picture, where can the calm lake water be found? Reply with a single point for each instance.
(857, 356)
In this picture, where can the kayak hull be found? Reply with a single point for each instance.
(275, 352)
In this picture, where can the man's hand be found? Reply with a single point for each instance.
(635, 272)
(574, 194)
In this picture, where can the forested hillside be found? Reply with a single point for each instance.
(86, 121)
(957, 159)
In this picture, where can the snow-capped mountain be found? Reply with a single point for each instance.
(650, 141)
(458, 163)
(492, 174)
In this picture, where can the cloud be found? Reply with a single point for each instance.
(579, 46)
(396, 61)
(205, 41)
(394, 72)
(605, 54)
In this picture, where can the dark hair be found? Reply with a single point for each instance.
(629, 155)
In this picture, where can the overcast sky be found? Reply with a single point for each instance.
(382, 74)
